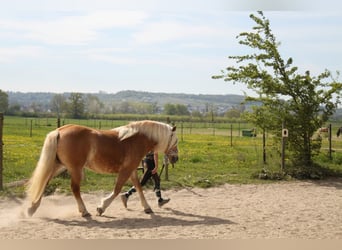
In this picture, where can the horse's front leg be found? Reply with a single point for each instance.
(136, 183)
(121, 180)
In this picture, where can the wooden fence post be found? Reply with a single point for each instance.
(181, 130)
(330, 144)
(264, 145)
(58, 122)
(231, 135)
(1, 150)
(167, 171)
(31, 127)
(284, 135)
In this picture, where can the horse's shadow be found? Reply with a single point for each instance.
(188, 219)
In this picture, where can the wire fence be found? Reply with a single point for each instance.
(23, 132)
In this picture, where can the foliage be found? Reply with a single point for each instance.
(130, 107)
(233, 113)
(300, 101)
(93, 105)
(3, 101)
(58, 104)
(175, 109)
(76, 105)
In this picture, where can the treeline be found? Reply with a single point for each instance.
(79, 106)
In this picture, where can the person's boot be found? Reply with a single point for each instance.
(162, 202)
(125, 196)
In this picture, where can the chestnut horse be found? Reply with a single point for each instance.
(119, 150)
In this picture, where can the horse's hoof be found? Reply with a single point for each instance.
(148, 211)
(100, 211)
(86, 215)
(30, 211)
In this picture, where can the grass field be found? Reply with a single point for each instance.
(210, 154)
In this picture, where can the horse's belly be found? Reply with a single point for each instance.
(102, 168)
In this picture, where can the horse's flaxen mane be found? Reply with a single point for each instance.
(157, 131)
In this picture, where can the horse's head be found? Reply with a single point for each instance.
(172, 148)
(162, 136)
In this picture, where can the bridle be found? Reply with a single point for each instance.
(170, 140)
(172, 150)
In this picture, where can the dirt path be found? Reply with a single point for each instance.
(296, 210)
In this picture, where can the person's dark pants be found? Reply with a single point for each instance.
(149, 163)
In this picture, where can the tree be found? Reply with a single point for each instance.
(170, 109)
(14, 109)
(36, 107)
(3, 101)
(301, 101)
(175, 109)
(58, 104)
(93, 104)
(76, 105)
(233, 113)
(182, 110)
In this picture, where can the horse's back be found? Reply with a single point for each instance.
(81, 146)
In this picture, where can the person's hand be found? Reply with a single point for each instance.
(155, 170)
(155, 157)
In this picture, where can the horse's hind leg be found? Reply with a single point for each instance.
(34, 205)
(33, 208)
(76, 176)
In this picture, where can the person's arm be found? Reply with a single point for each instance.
(155, 157)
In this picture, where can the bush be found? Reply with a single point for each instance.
(313, 172)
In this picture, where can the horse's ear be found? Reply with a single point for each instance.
(174, 128)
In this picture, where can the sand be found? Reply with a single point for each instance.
(285, 210)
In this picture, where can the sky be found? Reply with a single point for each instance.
(157, 46)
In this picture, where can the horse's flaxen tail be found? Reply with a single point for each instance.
(45, 168)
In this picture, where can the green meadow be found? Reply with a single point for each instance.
(209, 155)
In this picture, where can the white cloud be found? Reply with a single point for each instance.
(11, 54)
(108, 55)
(161, 58)
(73, 30)
(89, 5)
(168, 31)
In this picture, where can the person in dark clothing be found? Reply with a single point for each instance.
(339, 131)
(150, 163)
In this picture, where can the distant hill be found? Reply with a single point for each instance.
(192, 101)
